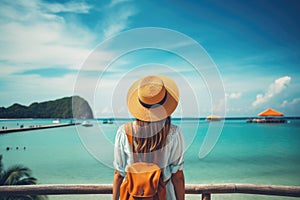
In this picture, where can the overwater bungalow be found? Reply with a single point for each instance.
(269, 116)
(87, 124)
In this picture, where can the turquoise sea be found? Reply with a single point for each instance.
(244, 153)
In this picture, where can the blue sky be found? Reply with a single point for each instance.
(254, 46)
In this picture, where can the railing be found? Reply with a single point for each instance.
(205, 189)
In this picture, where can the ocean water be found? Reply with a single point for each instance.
(244, 153)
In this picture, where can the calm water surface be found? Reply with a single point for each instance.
(244, 153)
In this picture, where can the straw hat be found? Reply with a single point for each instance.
(152, 98)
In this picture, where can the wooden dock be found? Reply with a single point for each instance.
(38, 127)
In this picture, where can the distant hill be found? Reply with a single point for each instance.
(60, 108)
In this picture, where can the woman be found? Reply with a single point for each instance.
(151, 137)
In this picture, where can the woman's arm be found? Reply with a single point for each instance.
(118, 179)
(178, 183)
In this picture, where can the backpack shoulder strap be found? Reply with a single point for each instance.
(128, 131)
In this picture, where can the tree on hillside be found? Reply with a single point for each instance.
(17, 175)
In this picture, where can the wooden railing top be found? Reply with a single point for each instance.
(58, 189)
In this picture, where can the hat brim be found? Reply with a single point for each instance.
(158, 112)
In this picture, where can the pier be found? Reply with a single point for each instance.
(38, 127)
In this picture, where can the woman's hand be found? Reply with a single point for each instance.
(118, 179)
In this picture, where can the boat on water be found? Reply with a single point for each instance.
(106, 121)
(213, 118)
(87, 124)
(56, 121)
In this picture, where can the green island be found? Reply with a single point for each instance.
(64, 108)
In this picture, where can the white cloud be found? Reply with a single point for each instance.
(292, 103)
(106, 110)
(12, 10)
(122, 110)
(275, 88)
(118, 20)
(291, 107)
(33, 88)
(33, 36)
(74, 7)
(117, 2)
(219, 107)
(234, 95)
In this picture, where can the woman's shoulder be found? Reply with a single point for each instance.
(120, 133)
(175, 135)
(122, 127)
(174, 129)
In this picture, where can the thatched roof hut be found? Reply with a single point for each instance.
(270, 112)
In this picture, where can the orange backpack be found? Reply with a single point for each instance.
(143, 180)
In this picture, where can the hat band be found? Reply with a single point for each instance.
(154, 105)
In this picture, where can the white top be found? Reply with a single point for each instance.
(172, 156)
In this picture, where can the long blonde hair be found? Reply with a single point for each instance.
(150, 136)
